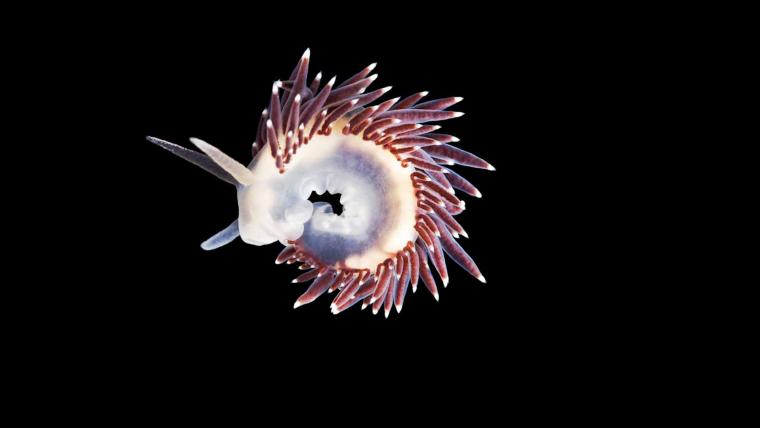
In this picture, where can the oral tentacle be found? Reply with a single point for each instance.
(222, 238)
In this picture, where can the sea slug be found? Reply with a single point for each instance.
(388, 163)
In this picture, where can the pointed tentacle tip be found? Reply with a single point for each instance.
(388, 312)
(199, 143)
(371, 67)
(306, 54)
(482, 279)
(490, 167)
(437, 297)
(297, 304)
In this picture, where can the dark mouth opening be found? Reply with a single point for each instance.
(333, 200)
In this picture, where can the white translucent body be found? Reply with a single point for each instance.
(376, 193)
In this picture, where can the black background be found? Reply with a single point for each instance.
(125, 300)
(157, 295)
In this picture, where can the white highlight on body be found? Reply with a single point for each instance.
(377, 195)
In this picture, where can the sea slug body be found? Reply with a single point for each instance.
(388, 163)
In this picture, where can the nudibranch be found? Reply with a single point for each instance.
(386, 161)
